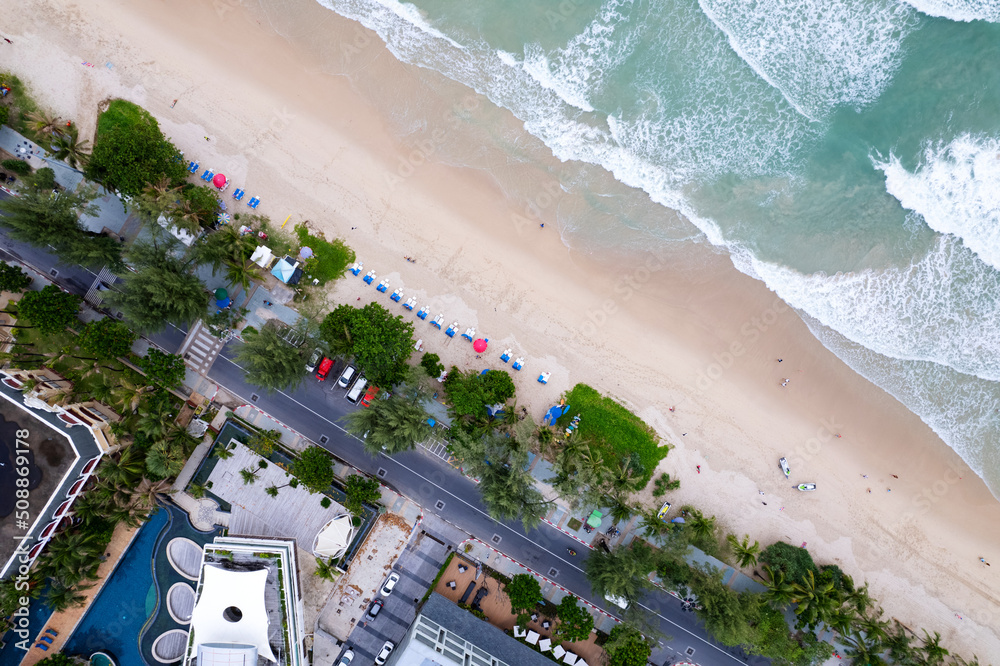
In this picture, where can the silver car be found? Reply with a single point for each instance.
(314, 360)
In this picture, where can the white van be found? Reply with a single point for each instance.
(621, 602)
(359, 387)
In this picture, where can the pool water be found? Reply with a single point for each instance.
(116, 618)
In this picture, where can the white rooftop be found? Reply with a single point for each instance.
(231, 611)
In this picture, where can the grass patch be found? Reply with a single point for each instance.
(437, 579)
(574, 524)
(329, 260)
(121, 113)
(617, 433)
(20, 103)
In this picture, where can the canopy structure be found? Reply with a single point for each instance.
(305, 252)
(594, 519)
(287, 271)
(554, 413)
(231, 610)
(479, 345)
(221, 294)
(262, 256)
(219, 181)
(334, 538)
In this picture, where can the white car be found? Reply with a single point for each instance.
(389, 584)
(347, 658)
(384, 653)
(314, 360)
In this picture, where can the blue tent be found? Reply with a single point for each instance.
(283, 270)
(554, 413)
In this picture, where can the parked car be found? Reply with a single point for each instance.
(347, 658)
(384, 653)
(359, 387)
(375, 609)
(348, 376)
(389, 584)
(369, 395)
(314, 360)
(621, 602)
(324, 369)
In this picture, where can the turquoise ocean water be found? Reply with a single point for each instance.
(845, 153)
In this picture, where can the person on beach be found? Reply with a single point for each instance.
(699, 469)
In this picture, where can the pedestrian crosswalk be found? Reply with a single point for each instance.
(104, 279)
(200, 348)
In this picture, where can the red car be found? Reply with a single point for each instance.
(369, 395)
(324, 369)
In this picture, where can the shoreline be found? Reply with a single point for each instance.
(677, 329)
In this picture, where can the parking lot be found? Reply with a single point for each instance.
(417, 567)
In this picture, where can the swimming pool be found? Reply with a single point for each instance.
(116, 618)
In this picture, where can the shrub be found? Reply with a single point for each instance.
(13, 279)
(16, 166)
(432, 364)
(325, 502)
(329, 260)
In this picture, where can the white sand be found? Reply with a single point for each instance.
(685, 331)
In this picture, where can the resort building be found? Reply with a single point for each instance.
(447, 635)
(248, 608)
(40, 435)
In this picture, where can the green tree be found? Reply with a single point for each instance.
(269, 361)
(431, 363)
(816, 601)
(575, 621)
(701, 530)
(60, 595)
(360, 490)
(780, 592)
(624, 572)
(249, 475)
(934, 653)
(314, 468)
(663, 483)
(67, 146)
(162, 290)
(389, 426)
(380, 342)
(166, 370)
(470, 392)
(626, 647)
(524, 592)
(13, 279)
(619, 507)
(224, 247)
(16, 166)
(792, 561)
(51, 310)
(728, 615)
(325, 570)
(746, 554)
(164, 461)
(107, 338)
(131, 151)
(59, 659)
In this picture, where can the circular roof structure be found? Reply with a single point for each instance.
(180, 602)
(184, 556)
(170, 646)
(334, 538)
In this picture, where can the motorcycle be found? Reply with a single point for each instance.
(571, 551)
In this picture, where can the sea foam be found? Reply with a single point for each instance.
(821, 54)
(957, 191)
(960, 10)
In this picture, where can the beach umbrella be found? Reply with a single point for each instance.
(221, 293)
(479, 345)
(306, 252)
(219, 181)
(224, 218)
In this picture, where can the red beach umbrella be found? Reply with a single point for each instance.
(479, 345)
(219, 181)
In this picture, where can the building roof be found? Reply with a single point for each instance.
(482, 634)
(222, 590)
(335, 537)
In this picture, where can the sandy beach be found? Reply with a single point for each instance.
(681, 329)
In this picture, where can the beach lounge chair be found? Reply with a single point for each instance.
(208, 175)
(518, 363)
(383, 286)
(436, 323)
(505, 356)
(253, 203)
(47, 639)
(238, 194)
(419, 346)
(43, 646)
(423, 313)
(469, 334)
(544, 377)
(52, 631)
(396, 296)
(193, 167)
(356, 268)
(410, 303)
(452, 330)
(369, 277)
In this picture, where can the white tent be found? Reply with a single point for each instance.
(231, 609)
(519, 632)
(334, 538)
(570, 658)
(532, 637)
(544, 645)
(558, 651)
(262, 256)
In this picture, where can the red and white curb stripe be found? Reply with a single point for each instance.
(538, 575)
(569, 534)
(265, 414)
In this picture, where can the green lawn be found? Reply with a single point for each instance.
(615, 430)
(329, 260)
(121, 112)
(20, 103)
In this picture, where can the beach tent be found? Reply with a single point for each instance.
(334, 538)
(284, 270)
(554, 413)
(262, 256)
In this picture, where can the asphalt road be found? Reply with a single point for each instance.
(314, 409)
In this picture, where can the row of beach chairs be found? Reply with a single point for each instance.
(437, 322)
(208, 177)
(45, 640)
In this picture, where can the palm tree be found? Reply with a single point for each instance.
(124, 471)
(197, 490)
(933, 652)
(180, 438)
(897, 642)
(619, 508)
(862, 651)
(816, 601)
(152, 493)
(746, 554)
(249, 475)
(129, 393)
(164, 461)
(182, 216)
(700, 526)
(872, 625)
(779, 592)
(651, 524)
(242, 273)
(325, 570)
(61, 596)
(68, 147)
(223, 452)
(42, 123)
